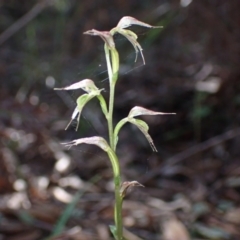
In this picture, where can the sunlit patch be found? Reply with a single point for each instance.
(210, 85)
(74, 231)
(18, 200)
(129, 221)
(71, 181)
(34, 100)
(63, 162)
(21, 137)
(42, 182)
(61, 195)
(13, 134)
(19, 185)
(139, 214)
(110, 186)
(185, 3)
(50, 81)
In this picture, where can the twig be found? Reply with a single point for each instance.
(20, 23)
(191, 151)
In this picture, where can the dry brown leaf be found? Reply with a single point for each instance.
(128, 185)
(173, 229)
(129, 235)
(233, 216)
(103, 232)
(29, 235)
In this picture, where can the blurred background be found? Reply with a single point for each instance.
(192, 184)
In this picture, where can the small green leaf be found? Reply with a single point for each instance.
(115, 63)
(81, 102)
(113, 231)
(117, 129)
(103, 105)
(139, 123)
(143, 127)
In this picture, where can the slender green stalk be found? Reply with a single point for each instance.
(111, 96)
(113, 65)
(109, 67)
(118, 198)
(118, 211)
(110, 114)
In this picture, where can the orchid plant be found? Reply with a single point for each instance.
(112, 60)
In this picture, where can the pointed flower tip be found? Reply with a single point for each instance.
(105, 35)
(157, 26)
(91, 32)
(162, 113)
(68, 144)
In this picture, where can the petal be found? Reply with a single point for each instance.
(99, 141)
(86, 84)
(128, 185)
(143, 127)
(132, 38)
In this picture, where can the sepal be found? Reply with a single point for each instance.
(128, 186)
(87, 85)
(104, 35)
(98, 141)
(143, 127)
(137, 111)
(128, 21)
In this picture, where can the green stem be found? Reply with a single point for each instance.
(109, 66)
(113, 66)
(111, 96)
(110, 115)
(118, 210)
(116, 131)
(118, 198)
